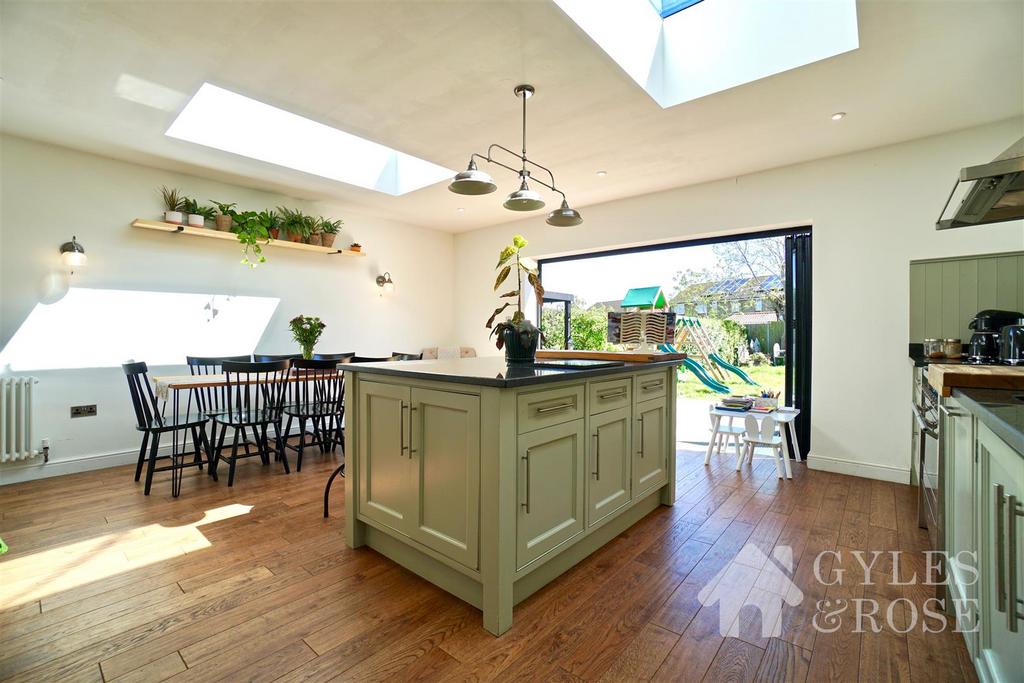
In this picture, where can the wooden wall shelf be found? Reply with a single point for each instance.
(225, 235)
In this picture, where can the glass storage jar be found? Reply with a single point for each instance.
(952, 348)
(933, 348)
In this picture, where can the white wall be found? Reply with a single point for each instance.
(871, 212)
(49, 193)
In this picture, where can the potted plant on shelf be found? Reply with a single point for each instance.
(174, 203)
(356, 247)
(252, 229)
(223, 219)
(311, 232)
(517, 335)
(306, 330)
(329, 230)
(197, 215)
(293, 223)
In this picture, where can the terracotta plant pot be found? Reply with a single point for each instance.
(295, 236)
(327, 239)
(196, 220)
(315, 239)
(275, 233)
(223, 222)
(355, 247)
(175, 217)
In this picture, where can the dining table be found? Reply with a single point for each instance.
(785, 417)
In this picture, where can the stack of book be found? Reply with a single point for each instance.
(739, 404)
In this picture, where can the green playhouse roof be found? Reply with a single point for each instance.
(644, 297)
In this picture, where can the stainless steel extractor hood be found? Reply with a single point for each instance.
(990, 193)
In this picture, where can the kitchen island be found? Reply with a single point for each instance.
(491, 480)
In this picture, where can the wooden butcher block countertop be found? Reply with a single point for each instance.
(946, 377)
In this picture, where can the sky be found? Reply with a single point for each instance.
(607, 278)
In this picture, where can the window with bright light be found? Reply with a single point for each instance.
(234, 123)
(96, 328)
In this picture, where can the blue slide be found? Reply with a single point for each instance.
(721, 362)
(698, 370)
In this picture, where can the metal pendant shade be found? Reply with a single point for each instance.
(472, 181)
(524, 199)
(564, 216)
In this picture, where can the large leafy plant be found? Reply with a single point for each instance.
(510, 259)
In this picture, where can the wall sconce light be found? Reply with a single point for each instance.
(385, 283)
(72, 254)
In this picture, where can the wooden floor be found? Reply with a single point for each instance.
(251, 583)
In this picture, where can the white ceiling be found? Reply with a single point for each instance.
(434, 79)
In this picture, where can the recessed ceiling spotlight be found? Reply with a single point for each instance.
(839, 115)
(459, 210)
(602, 174)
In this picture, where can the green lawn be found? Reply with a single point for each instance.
(767, 377)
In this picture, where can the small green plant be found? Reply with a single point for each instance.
(173, 199)
(522, 265)
(252, 229)
(224, 209)
(306, 330)
(192, 206)
(293, 221)
(331, 227)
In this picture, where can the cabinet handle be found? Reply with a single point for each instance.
(612, 394)
(401, 427)
(597, 455)
(412, 450)
(551, 409)
(1011, 571)
(526, 457)
(1000, 551)
(652, 385)
(641, 421)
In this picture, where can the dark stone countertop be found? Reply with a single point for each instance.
(491, 371)
(917, 357)
(1001, 410)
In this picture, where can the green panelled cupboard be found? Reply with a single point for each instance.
(491, 492)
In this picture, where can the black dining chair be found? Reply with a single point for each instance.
(149, 420)
(212, 400)
(265, 358)
(340, 357)
(254, 399)
(397, 355)
(316, 395)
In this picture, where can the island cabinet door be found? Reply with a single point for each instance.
(385, 468)
(445, 451)
(650, 446)
(610, 464)
(1002, 559)
(550, 485)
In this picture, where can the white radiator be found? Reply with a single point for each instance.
(16, 418)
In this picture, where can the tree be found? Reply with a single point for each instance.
(588, 327)
(754, 258)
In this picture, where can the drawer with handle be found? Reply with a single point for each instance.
(540, 409)
(651, 385)
(609, 395)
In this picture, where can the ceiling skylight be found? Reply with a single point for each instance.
(678, 56)
(225, 120)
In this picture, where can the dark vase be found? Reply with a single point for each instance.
(521, 343)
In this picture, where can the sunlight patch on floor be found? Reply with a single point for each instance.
(33, 577)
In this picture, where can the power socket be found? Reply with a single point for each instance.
(83, 411)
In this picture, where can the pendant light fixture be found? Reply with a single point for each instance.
(473, 181)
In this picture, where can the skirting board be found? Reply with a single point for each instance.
(897, 475)
(36, 468)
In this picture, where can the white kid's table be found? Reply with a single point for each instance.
(785, 417)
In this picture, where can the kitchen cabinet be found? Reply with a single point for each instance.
(1001, 557)
(420, 458)
(957, 427)
(651, 447)
(611, 462)
(551, 484)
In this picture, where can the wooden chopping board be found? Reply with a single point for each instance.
(944, 378)
(625, 356)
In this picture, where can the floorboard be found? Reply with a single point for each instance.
(251, 583)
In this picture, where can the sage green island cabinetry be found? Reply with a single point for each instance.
(982, 454)
(490, 480)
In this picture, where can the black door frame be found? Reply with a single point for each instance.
(559, 298)
(798, 316)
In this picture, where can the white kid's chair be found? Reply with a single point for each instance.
(763, 435)
(726, 431)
